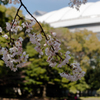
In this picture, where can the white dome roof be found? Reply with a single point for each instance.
(88, 10)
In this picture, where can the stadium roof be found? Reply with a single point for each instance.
(89, 13)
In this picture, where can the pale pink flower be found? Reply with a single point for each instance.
(8, 26)
(16, 1)
(0, 29)
(28, 30)
(17, 43)
(14, 69)
(5, 36)
(24, 25)
(39, 37)
(18, 28)
(38, 49)
(10, 1)
(53, 64)
(53, 33)
(14, 49)
(20, 38)
(33, 22)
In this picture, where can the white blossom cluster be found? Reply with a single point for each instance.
(14, 28)
(77, 3)
(52, 53)
(35, 39)
(14, 57)
(77, 73)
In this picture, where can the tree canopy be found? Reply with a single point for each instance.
(36, 75)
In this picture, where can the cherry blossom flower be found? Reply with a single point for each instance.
(53, 64)
(0, 29)
(16, 1)
(5, 36)
(38, 49)
(17, 43)
(8, 26)
(53, 33)
(10, 1)
(24, 25)
(20, 38)
(13, 50)
(9, 57)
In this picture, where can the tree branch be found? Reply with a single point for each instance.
(42, 30)
(14, 21)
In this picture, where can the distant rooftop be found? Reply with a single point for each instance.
(67, 17)
(36, 14)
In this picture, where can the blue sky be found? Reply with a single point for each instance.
(44, 5)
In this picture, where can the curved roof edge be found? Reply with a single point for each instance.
(88, 13)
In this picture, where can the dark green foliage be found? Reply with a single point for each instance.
(2, 16)
(92, 77)
(38, 73)
(8, 79)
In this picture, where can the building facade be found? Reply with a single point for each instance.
(88, 17)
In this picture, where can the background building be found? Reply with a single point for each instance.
(88, 17)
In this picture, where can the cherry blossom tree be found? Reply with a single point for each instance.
(77, 3)
(14, 56)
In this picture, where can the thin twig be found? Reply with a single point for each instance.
(34, 18)
(14, 21)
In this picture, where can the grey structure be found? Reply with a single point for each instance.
(88, 17)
